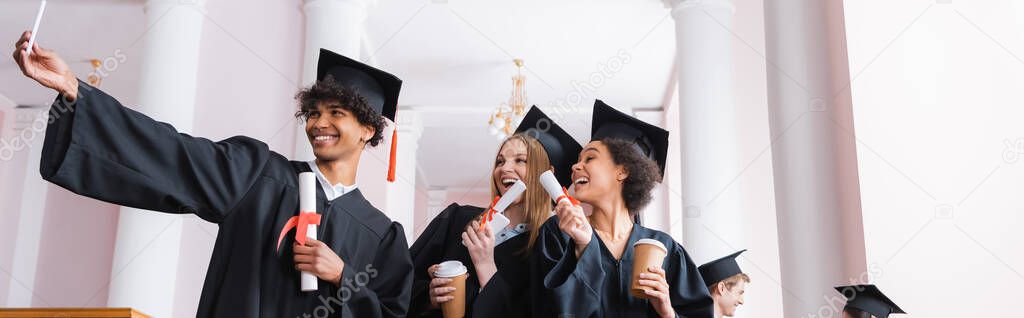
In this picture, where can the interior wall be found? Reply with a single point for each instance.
(75, 247)
(247, 80)
(935, 90)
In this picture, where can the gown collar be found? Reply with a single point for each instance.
(330, 191)
(627, 253)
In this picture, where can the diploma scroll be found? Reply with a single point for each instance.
(307, 204)
(510, 196)
(554, 189)
(494, 217)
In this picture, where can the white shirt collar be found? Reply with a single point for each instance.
(508, 233)
(331, 191)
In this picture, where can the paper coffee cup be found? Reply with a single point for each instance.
(646, 253)
(454, 270)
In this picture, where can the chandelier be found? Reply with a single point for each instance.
(94, 78)
(507, 115)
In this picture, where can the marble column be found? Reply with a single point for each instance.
(814, 159)
(146, 252)
(712, 215)
(336, 25)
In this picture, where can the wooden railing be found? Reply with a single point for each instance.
(72, 312)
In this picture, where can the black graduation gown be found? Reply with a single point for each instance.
(505, 294)
(100, 149)
(596, 285)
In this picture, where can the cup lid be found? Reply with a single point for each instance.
(450, 269)
(651, 242)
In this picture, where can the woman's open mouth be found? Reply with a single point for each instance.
(507, 182)
(581, 181)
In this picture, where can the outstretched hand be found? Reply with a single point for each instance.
(45, 66)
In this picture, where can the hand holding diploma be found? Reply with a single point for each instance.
(494, 217)
(573, 222)
(480, 245)
(316, 259)
(312, 257)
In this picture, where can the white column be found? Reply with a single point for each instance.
(656, 214)
(712, 216)
(340, 25)
(814, 160)
(145, 264)
(672, 182)
(437, 200)
(336, 25)
(401, 194)
(30, 126)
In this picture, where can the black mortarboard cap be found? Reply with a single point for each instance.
(720, 269)
(562, 149)
(869, 299)
(379, 88)
(651, 140)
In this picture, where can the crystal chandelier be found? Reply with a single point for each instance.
(507, 115)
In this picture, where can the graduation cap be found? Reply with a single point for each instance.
(720, 269)
(650, 140)
(869, 299)
(379, 88)
(561, 148)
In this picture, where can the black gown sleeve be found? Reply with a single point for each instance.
(98, 148)
(493, 298)
(690, 298)
(502, 296)
(563, 284)
(381, 290)
(425, 252)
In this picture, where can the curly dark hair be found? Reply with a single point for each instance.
(348, 98)
(643, 173)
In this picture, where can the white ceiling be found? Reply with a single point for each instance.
(455, 59)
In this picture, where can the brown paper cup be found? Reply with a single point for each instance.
(646, 253)
(454, 270)
(456, 308)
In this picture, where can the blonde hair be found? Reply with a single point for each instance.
(536, 202)
(730, 282)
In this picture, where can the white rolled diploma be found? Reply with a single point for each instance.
(499, 220)
(551, 185)
(307, 204)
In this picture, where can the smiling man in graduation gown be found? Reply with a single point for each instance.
(98, 148)
(726, 283)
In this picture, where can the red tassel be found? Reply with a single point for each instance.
(394, 149)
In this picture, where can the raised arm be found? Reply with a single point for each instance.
(98, 148)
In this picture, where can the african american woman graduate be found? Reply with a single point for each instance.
(98, 148)
(583, 264)
(497, 262)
